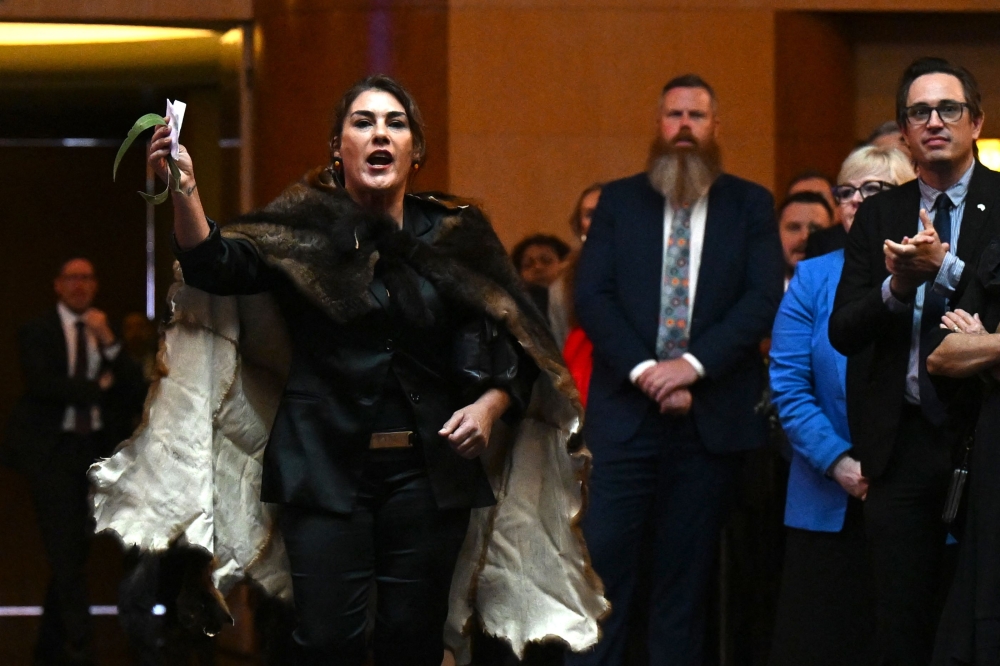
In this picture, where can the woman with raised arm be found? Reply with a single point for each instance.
(409, 340)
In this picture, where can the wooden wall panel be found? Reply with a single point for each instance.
(672, 5)
(308, 56)
(884, 45)
(122, 10)
(571, 97)
(814, 92)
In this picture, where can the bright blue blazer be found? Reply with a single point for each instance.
(808, 379)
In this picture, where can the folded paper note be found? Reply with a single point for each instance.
(175, 115)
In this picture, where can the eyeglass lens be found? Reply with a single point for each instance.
(867, 189)
(949, 112)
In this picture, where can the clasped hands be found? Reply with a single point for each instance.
(666, 384)
(914, 260)
(961, 322)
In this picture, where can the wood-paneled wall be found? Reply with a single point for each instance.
(568, 97)
(309, 53)
(814, 91)
(125, 10)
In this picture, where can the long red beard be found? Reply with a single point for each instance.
(683, 175)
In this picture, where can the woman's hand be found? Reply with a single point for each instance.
(847, 472)
(468, 430)
(961, 321)
(159, 151)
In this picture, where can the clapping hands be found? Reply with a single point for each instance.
(914, 260)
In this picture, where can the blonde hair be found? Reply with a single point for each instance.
(868, 160)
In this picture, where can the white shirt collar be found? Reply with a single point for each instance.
(67, 316)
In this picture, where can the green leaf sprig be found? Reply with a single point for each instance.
(174, 179)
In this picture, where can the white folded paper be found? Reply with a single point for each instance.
(175, 114)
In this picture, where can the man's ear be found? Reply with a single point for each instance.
(977, 126)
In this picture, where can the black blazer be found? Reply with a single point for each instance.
(739, 288)
(875, 340)
(825, 241)
(37, 419)
(342, 374)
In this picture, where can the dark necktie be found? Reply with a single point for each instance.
(934, 308)
(82, 425)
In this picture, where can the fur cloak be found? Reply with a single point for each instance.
(191, 473)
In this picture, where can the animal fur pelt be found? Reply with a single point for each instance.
(191, 473)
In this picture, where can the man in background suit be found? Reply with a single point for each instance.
(911, 251)
(81, 394)
(676, 379)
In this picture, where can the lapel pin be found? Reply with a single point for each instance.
(981, 206)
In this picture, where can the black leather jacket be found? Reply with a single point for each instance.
(380, 371)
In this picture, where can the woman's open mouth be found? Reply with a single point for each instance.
(380, 159)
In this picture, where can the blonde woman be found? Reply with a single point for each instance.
(825, 611)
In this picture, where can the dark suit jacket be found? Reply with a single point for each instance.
(825, 241)
(739, 289)
(875, 340)
(343, 373)
(37, 419)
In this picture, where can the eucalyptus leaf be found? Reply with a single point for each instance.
(157, 199)
(175, 174)
(140, 126)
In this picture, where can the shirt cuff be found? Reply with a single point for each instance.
(948, 276)
(639, 369)
(890, 300)
(696, 364)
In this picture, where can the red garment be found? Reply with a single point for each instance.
(579, 354)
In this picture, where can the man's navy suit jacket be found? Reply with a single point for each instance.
(740, 283)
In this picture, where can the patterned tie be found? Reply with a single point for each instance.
(82, 425)
(934, 308)
(672, 333)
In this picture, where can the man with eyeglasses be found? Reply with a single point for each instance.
(80, 397)
(910, 253)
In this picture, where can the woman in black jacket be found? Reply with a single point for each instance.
(393, 389)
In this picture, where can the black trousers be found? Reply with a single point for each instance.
(396, 537)
(907, 541)
(665, 476)
(826, 609)
(59, 493)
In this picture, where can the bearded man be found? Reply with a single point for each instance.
(676, 379)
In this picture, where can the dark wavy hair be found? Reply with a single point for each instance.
(922, 67)
(558, 246)
(386, 84)
(806, 197)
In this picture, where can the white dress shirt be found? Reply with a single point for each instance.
(699, 214)
(95, 356)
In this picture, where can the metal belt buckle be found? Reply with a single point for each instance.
(391, 440)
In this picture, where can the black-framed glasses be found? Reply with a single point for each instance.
(948, 111)
(844, 193)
